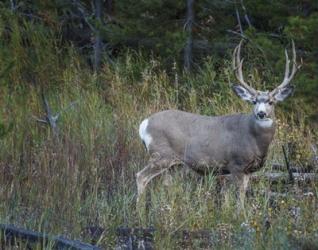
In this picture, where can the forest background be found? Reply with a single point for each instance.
(99, 67)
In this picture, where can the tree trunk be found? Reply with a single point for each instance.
(188, 29)
(98, 40)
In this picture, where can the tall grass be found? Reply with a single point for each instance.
(86, 177)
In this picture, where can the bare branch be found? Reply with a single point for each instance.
(238, 34)
(290, 173)
(50, 118)
(13, 5)
(84, 14)
(39, 120)
(245, 14)
(239, 20)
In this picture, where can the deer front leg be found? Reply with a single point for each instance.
(244, 183)
(241, 181)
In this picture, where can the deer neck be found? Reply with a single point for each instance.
(263, 131)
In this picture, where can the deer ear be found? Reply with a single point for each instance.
(243, 93)
(283, 93)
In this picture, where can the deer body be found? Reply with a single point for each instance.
(235, 144)
(221, 144)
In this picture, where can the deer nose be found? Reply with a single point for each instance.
(261, 114)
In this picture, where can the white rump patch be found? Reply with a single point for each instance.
(144, 135)
(266, 123)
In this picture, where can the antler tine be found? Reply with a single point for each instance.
(234, 59)
(237, 67)
(287, 65)
(288, 76)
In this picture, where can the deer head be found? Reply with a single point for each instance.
(264, 101)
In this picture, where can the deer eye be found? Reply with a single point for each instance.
(254, 102)
(270, 102)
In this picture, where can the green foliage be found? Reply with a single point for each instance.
(87, 177)
(145, 25)
(5, 130)
(157, 29)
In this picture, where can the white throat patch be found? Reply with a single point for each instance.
(266, 123)
(144, 135)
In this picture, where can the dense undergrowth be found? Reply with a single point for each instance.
(85, 176)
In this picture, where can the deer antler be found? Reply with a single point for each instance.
(288, 77)
(237, 67)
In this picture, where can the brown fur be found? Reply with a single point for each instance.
(233, 144)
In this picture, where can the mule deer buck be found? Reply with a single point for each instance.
(235, 144)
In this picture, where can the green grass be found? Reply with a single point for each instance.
(86, 177)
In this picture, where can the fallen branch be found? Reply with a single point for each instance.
(12, 233)
(300, 196)
(275, 177)
(135, 238)
(292, 168)
(50, 118)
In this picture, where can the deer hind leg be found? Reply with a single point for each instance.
(156, 166)
(167, 179)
